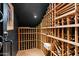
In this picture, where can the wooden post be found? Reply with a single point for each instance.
(21, 40)
(62, 38)
(41, 36)
(54, 19)
(76, 31)
(58, 29)
(68, 37)
(52, 25)
(18, 39)
(26, 39)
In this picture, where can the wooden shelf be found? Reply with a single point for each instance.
(26, 28)
(27, 38)
(66, 14)
(63, 40)
(26, 33)
(64, 26)
(46, 27)
(58, 26)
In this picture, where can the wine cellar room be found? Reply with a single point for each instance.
(39, 29)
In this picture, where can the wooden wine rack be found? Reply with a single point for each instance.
(27, 38)
(60, 28)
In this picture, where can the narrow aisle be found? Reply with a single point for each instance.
(30, 52)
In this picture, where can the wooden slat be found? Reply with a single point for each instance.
(66, 14)
(58, 29)
(76, 32)
(26, 28)
(68, 37)
(64, 26)
(36, 38)
(21, 40)
(29, 39)
(41, 36)
(62, 4)
(60, 39)
(54, 53)
(18, 39)
(64, 7)
(26, 39)
(32, 41)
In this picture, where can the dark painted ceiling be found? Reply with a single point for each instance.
(30, 14)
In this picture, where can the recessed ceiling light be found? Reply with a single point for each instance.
(35, 16)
